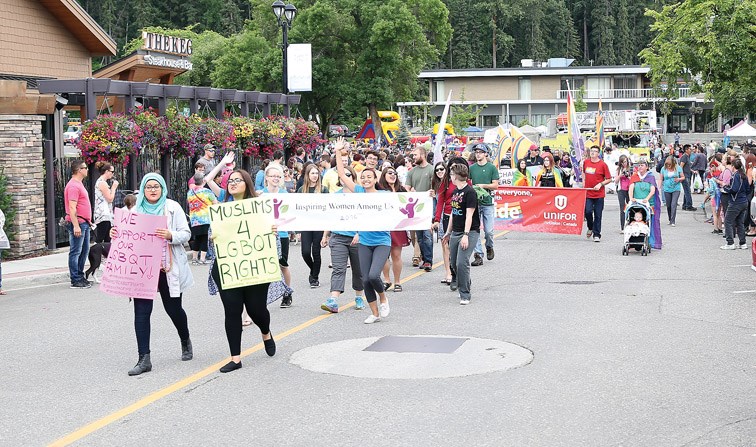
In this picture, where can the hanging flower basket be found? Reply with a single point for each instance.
(112, 138)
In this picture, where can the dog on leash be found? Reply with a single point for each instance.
(96, 252)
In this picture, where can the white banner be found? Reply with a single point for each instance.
(299, 59)
(381, 211)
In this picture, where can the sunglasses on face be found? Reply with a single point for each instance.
(391, 172)
(347, 175)
(440, 169)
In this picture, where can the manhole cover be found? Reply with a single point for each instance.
(433, 345)
(355, 358)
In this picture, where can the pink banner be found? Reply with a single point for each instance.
(136, 252)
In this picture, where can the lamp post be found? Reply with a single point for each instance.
(285, 15)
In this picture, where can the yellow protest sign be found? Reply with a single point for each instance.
(245, 245)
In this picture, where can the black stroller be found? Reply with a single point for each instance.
(637, 236)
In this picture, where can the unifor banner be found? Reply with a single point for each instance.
(380, 211)
(136, 253)
(245, 245)
(540, 210)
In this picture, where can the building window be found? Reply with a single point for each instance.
(525, 88)
(598, 87)
(490, 120)
(626, 86)
(439, 93)
(575, 82)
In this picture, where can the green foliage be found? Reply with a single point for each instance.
(6, 204)
(580, 105)
(710, 45)
(462, 116)
(523, 122)
(403, 137)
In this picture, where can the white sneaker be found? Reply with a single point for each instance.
(596, 239)
(744, 247)
(464, 301)
(729, 247)
(384, 309)
(372, 319)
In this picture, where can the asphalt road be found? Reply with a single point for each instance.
(631, 351)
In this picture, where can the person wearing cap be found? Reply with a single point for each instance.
(533, 158)
(596, 175)
(484, 175)
(208, 160)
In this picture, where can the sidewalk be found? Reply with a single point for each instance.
(51, 268)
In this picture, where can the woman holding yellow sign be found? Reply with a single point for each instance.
(240, 186)
(374, 246)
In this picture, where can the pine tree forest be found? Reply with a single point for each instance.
(487, 33)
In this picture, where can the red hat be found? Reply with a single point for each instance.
(533, 147)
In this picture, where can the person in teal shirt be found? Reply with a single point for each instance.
(672, 176)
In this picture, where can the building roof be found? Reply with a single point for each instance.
(76, 20)
(534, 71)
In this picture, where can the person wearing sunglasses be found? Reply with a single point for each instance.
(78, 222)
(389, 181)
(104, 195)
(208, 158)
(485, 175)
(374, 246)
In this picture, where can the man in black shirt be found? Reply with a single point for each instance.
(534, 159)
(464, 231)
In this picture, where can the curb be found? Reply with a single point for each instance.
(31, 280)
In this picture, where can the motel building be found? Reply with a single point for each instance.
(536, 92)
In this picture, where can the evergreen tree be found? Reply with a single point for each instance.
(403, 137)
(623, 39)
(602, 33)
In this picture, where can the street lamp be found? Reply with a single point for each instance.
(285, 15)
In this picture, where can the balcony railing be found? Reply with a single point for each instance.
(625, 93)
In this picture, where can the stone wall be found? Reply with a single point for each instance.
(22, 162)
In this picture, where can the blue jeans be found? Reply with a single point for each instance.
(487, 219)
(425, 241)
(594, 208)
(78, 253)
(687, 198)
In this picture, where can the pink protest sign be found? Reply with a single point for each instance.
(136, 253)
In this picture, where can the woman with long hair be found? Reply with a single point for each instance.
(274, 185)
(374, 246)
(565, 165)
(442, 215)
(103, 206)
(312, 184)
(622, 180)
(175, 275)
(521, 176)
(549, 176)
(254, 298)
(737, 209)
(199, 199)
(672, 177)
(643, 189)
(343, 245)
(399, 239)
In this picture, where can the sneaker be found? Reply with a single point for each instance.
(729, 247)
(596, 239)
(426, 266)
(81, 285)
(477, 261)
(744, 246)
(384, 310)
(589, 234)
(489, 253)
(464, 301)
(286, 300)
(314, 284)
(453, 286)
(359, 303)
(330, 305)
(372, 319)
(672, 224)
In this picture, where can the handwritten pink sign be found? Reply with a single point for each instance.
(136, 253)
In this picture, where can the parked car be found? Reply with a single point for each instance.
(337, 130)
(72, 135)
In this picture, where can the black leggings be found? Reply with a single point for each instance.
(254, 298)
(143, 310)
(311, 252)
(372, 260)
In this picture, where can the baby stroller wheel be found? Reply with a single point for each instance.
(624, 251)
(643, 251)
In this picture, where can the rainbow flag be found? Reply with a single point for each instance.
(503, 144)
(519, 179)
(520, 145)
(601, 139)
(575, 138)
